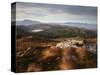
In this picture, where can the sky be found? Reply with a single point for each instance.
(54, 13)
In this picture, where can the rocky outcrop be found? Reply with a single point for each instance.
(70, 43)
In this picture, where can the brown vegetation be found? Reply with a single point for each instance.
(40, 55)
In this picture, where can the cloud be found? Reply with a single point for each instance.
(55, 13)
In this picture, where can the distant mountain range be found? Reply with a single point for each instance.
(82, 25)
(27, 22)
(72, 24)
(53, 30)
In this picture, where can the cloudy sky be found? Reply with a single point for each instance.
(55, 13)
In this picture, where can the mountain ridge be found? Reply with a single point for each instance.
(72, 24)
